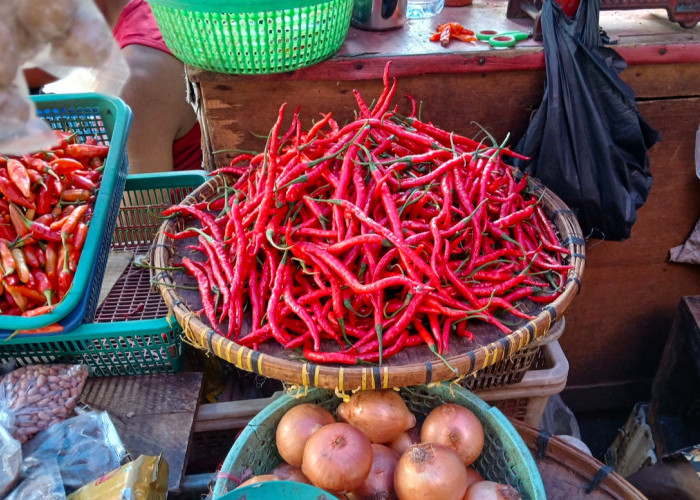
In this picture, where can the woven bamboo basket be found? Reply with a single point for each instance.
(568, 472)
(412, 366)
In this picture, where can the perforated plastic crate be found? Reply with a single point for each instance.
(253, 37)
(526, 400)
(131, 333)
(107, 119)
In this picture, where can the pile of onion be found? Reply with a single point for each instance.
(376, 451)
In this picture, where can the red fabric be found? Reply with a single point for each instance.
(137, 26)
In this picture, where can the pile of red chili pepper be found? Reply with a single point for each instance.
(46, 200)
(446, 32)
(352, 242)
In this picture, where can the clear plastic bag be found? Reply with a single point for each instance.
(42, 484)
(32, 398)
(85, 447)
(10, 460)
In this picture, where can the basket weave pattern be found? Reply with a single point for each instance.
(412, 367)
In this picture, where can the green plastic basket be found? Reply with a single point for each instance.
(252, 37)
(132, 332)
(505, 457)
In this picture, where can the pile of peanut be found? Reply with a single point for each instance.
(38, 396)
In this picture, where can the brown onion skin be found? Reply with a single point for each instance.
(337, 458)
(261, 478)
(287, 472)
(379, 484)
(455, 426)
(295, 427)
(490, 490)
(430, 471)
(401, 442)
(380, 414)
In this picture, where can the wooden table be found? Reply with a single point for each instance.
(153, 414)
(617, 326)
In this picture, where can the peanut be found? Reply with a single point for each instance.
(41, 395)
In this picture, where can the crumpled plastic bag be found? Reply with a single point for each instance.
(689, 251)
(85, 447)
(59, 37)
(42, 484)
(587, 141)
(10, 460)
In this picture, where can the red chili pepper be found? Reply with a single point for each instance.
(329, 357)
(51, 258)
(81, 232)
(81, 182)
(63, 272)
(15, 298)
(31, 256)
(17, 219)
(65, 138)
(86, 150)
(10, 191)
(204, 291)
(71, 221)
(65, 166)
(21, 266)
(6, 258)
(75, 195)
(19, 177)
(33, 296)
(38, 230)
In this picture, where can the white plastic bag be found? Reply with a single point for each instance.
(59, 37)
(10, 460)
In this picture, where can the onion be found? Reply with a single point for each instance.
(457, 427)
(430, 471)
(379, 484)
(381, 415)
(295, 427)
(337, 458)
(401, 442)
(489, 490)
(287, 472)
(473, 476)
(261, 478)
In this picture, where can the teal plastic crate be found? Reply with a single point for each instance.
(279, 489)
(132, 332)
(108, 120)
(505, 457)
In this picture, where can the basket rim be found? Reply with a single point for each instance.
(545, 445)
(352, 377)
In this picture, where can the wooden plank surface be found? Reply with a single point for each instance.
(646, 36)
(153, 414)
(500, 102)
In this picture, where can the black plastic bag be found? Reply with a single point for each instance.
(587, 141)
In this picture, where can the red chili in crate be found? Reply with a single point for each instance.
(46, 201)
